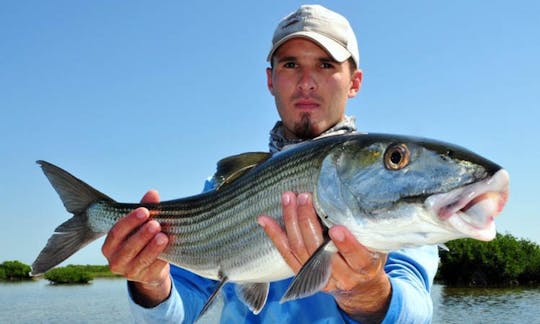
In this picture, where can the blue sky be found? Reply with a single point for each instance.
(133, 95)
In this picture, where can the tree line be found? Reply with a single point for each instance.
(504, 261)
(71, 274)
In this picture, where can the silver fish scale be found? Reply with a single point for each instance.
(224, 232)
(218, 231)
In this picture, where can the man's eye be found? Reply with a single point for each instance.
(327, 65)
(289, 65)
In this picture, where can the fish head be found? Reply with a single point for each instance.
(428, 191)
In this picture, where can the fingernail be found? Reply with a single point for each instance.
(285, 199)
(303, 199)
(261, 222)
(153, 227)
(140, 213)
(337, 235)
(161, 239)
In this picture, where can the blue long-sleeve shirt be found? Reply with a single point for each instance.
(411, 273)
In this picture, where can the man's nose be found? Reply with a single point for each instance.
(306, 81)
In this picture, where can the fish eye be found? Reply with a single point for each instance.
(396, 157)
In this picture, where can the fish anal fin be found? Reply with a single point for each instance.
(231, 168)
(313, 275)
(223, 281)
(254, 295)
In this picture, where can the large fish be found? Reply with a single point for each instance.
(390, 191)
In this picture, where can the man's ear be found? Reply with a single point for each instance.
(356, 83)
(269, 82)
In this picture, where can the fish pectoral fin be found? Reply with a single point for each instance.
(233, 167)
(213, 296)
(313, 275)
(254, 295)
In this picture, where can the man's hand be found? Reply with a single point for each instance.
(132, 248)
(358, 281)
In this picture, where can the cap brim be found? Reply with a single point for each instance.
(336, 50)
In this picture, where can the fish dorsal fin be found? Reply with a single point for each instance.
(232, 167)
(254, 295)
(313, 275)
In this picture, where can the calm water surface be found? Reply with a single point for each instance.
(483, 305)
(105, 301)
(102, 301)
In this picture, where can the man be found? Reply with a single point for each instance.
(314, 71)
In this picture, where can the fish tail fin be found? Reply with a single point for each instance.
(75, 233)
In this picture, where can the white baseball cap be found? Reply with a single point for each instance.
(325, 27)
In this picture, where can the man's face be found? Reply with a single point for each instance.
(310, 88)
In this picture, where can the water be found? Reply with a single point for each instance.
(102, 301)
(105, 301)
(483, 305)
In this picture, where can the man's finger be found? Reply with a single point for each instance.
(123, 229)
(292, 226)
(309, 223)
(141, 266)
(280, 240)
(152, 196)
(356, 257)
(133, 246)
(115, 248)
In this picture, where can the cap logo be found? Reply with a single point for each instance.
(292, 22)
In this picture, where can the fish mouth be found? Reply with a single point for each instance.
(471, 209)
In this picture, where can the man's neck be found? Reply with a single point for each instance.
(279, 139)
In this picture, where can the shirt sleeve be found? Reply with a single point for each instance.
(170, 310)
(194, 288)
(411, 273)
